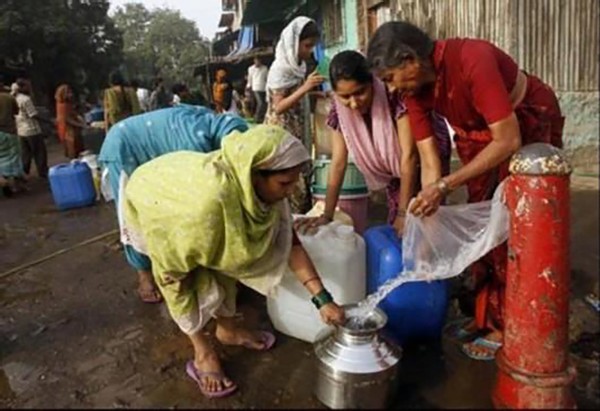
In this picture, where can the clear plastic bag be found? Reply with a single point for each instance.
(446, 243)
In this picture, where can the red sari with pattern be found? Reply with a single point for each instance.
(474, 80)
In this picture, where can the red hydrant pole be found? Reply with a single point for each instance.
(533, 363)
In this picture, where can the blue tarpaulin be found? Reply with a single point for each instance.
(245, 41)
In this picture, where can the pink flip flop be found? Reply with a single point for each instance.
(267, 338)
(197, 376)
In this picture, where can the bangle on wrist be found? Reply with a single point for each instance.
(309, 280)
(401, 213)
(443, 187)
(321, 298)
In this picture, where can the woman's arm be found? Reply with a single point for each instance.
(431, 165)
(302, 266)
(75, 122)
(339, 160)
(408, 170)
(506, 140)
(281, 103)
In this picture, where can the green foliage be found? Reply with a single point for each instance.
(58, 41)
(159, 42)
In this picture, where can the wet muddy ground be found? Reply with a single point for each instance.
(73, 332)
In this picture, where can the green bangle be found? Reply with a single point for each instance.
(321, 298)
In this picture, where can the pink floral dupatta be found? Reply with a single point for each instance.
(376, 155)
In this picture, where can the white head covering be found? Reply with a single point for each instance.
(14, 89)
(285, 71)
(290, 153)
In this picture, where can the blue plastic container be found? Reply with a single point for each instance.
(72, 185)
(415, 310)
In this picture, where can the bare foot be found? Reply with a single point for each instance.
(240, 336)
(147, 289)
(477, 349)
(209, 363)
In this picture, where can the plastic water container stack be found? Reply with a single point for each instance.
(354, 194)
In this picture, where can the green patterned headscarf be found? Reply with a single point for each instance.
(189, 210)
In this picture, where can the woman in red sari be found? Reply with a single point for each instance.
(493, 107)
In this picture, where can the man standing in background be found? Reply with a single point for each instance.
(30, 133)
(11, 167)
(257, 82)
(143, 95)
(159, 97)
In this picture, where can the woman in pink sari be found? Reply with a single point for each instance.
(370, 123)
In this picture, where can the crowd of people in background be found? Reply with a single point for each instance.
(25, 127)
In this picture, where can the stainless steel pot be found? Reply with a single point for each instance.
(356, 367)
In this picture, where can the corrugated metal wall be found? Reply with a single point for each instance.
(562, 47)
(555, 39)
(488, 19)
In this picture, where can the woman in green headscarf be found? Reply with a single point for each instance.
(209, 220)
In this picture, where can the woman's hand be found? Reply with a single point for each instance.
(332, 314)
(427, 201)
(313, 80)
(399, 224)
(310, 225)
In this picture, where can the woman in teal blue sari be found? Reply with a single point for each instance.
(141, 138)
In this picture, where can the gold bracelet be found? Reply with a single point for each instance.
(443, 187)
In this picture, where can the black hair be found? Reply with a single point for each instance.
(239, 86)
(116, 79)
(395, 42)
(1, 79)
(349, 65)
(21, 82)
(134, 83)
(177, 88)
(310, 31)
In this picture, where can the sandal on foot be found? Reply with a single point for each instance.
(489, 345)
(267, 338)
(456, 329)
(197, 376)
(155, 299)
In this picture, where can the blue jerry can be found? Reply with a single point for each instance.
(415, 310)
(72, 185)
